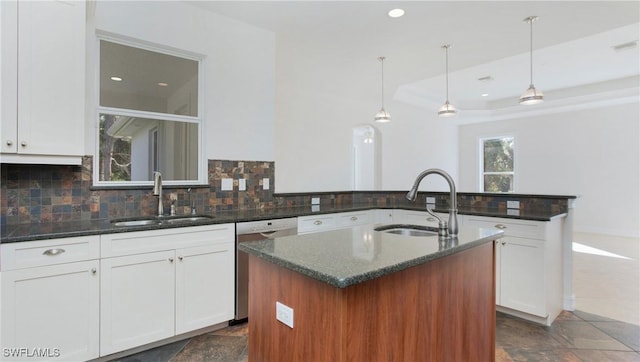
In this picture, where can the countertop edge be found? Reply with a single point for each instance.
(360, 278)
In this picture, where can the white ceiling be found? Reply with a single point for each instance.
(573, 58)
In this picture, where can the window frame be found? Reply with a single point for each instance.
(199, 119)
(481, 171)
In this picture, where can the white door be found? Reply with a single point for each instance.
(204, 286)
(522, 275)
(137, 300)
(52, 312)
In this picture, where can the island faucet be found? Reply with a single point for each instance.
(157, 190)
(453, 211)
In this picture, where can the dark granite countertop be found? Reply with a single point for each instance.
(350, 256)
(35, 231)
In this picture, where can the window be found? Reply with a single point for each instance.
(149, 115)
(497, 172)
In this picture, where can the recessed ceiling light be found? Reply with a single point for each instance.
(116, 79)
(162, 84)
(396, 13)
(485, 94)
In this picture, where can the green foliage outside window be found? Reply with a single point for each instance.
(498, 156)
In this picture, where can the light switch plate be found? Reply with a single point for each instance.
(431, 200)
(315, 200)
(226, 184)
(284, 314)
(265, 183)
(513, 204)
(242, 184)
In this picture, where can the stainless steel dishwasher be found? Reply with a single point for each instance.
(253, 231)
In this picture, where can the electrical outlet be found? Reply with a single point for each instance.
(284, 314)
(226, 184)
(513, 204)
(315, 200)
(265, 183)
(242, 184)
(431, 200)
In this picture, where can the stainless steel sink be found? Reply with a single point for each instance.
(408, 230)
(160, 221)
(142, 222)
(188, 219)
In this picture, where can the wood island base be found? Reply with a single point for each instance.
(442, 310)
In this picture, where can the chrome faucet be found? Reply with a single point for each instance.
(453, 211)
(157, 190)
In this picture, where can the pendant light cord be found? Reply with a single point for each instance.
(446, 57)
(531, 19)
(382, 84)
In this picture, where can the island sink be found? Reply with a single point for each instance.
(408, 230)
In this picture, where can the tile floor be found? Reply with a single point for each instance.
(605, 326)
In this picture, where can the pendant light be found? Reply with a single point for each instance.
(447, 109)
(531, 95)
(382, 116)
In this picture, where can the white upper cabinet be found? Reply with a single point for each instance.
(42, 81)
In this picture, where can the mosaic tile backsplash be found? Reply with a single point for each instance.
(52, 193)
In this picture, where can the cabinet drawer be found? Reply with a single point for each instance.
(348, 219)
(137, 242)
(511, 227)
(307, 224)
(419, 218)
(49, 252)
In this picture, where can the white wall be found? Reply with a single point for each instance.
(592, 153)
(239, 69)
(319, 99)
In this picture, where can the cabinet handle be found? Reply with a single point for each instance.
(9, 142)
(430, 219)
(23, 143)
(180, 258)
(53, 252)
(170, 260)
(354, 218)
(504, 243)
(93, 270)
(317, 222)
(500, 226)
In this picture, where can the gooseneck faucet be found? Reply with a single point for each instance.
(453, 211)
(157, 190)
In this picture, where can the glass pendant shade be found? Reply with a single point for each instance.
(447, 110)
(382, 116)
(531, 96)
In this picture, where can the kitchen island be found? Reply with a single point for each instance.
(364, 295)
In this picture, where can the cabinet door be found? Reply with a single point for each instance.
(8, 75)
(52, 312)
(51, 73)
(204, 286)
(137, 300)
(522, 275)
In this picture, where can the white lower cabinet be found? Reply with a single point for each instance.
(50, 310)
(414, 217)
(204, 286)
(150, 296)
(522, 276)
(528, 266)
(340, 220)
(137, 300)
